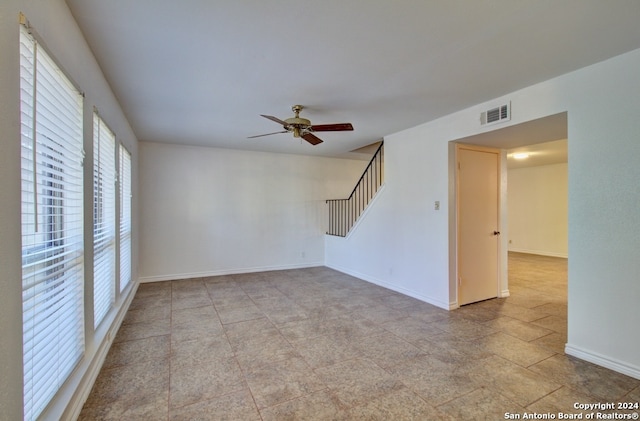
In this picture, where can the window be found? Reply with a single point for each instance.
(104, 219)
(125, 217)
(52, 225)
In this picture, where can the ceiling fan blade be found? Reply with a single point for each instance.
(268, 134)
(276, 119)
(314, 140)
(337, 127)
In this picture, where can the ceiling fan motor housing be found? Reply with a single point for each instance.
(297, 124)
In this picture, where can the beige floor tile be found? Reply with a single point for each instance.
(191, 383)
(354, 326)
(153, 288)
(462, 328)
(143, 330)
(232, 407)
(386, 349)
(151, 408)
(187, 289)
(382, 314)
(519, 329)
(412, 330)
(585, 377)
(519, 312)
(554, 309)
(520, 385)
(398, 405)
(150, 302)
(239, 314)
(253, 354)
(140, 384)
(188, 315)
(308, 328)
(477, 314)
(516, 350)
(322, 309)
(200, 350)
(397, 300)
(555, 323)
(138, 351)
(191, 301)
(249, 329)
(147, 314)
(449, 348)
(433, 380)
(633, 396)
(322, 351)
(231, 300)
(319, 405)
(480, 404)
(561, 400)
(282, 381)
(553, 341)
(354, 302)
(196, 328)
(358, 381)
(428, 313)
(280, 316)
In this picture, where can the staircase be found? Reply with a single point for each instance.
(343, 213)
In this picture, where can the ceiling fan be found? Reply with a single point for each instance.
(301, 127)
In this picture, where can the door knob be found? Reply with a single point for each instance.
(496, 233)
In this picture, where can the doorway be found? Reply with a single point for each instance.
(546, 129)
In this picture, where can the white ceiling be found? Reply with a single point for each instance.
(200, 72)
(548, 153)
(544, 139)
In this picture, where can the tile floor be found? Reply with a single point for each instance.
(315, 344)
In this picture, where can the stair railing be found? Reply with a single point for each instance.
(343, 213)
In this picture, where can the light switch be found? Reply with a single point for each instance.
(436, 205)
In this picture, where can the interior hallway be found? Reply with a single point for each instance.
(318, 344)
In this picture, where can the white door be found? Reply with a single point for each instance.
(478, 228)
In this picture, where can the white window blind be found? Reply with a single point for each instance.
(104, 219)
(125, 217)
(52, 225)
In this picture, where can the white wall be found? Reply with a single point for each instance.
(537, 210)
(208, 211)
(56, 27)
(403, 242)
(400, 242)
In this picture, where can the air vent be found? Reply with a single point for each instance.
(496, 115)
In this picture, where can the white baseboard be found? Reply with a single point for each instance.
(539, 252)
(604, 361)
(505, 293)
(235, 271)
(413, 294)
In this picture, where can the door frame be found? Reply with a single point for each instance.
(454, 213)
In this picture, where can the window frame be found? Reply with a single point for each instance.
(104, 219)
(52, 205)
(125, 219)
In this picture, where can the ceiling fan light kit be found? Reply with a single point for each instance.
(302, 127)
